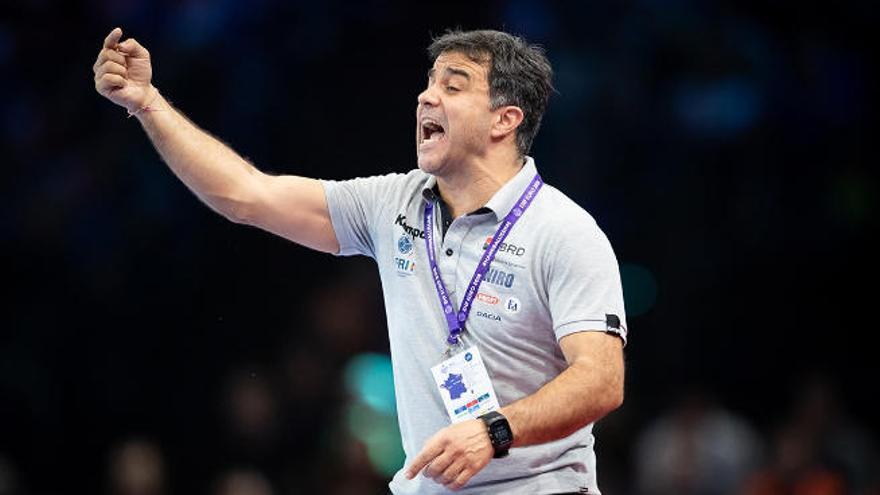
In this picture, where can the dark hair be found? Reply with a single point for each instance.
(519, 73)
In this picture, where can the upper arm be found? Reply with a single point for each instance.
(294, 208)
(586, 305)
(338, 217)
(583, 283)
(593, 349)
(600, 355)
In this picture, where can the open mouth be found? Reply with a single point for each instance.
(432, 131)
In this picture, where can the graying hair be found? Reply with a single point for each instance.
(519, 73)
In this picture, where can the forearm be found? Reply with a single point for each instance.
(214, 172)
(577, 397)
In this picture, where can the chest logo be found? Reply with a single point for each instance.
(512, 305)
(500, 278)
(488, 316)
(505, 248)
(409, 229)
(404, 266)
(487, 298)
(405, 245)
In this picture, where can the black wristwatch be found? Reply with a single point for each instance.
(499, 432)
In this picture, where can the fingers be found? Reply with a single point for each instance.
(427, 454)
(450, 474)
(438, 467)
(111, 67)
(460, 480)
(108, 54)
(108, 82)
(132, 48)
(113, 38)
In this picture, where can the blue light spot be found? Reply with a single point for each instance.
(369, 378)
(721, 108)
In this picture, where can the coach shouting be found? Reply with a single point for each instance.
(503, 296)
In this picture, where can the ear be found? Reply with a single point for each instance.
(507, 119)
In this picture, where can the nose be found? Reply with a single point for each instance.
(428, 97)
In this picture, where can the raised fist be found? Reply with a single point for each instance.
(123, 72)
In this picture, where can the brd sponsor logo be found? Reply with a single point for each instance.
(505, 248)
(500, 278)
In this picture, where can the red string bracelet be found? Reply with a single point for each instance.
(146, 108)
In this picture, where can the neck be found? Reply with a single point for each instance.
(471, 187)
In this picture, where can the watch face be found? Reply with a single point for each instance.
(501, 433)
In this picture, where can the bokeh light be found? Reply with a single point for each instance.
(722, 108)
(369, 378)
(380, 435)
(370, 413)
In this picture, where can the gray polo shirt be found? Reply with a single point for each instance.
(556, 274)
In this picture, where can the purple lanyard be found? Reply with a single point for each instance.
(453, 321)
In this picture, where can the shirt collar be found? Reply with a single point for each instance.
(503, 200)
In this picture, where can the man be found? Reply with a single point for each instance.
(502, 295)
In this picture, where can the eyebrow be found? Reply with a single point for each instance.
(450, 70)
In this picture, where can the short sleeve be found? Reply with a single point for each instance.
(584, 288)
(355, 207)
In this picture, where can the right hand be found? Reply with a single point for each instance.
(123, 72)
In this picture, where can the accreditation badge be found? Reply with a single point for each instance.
(464, 385)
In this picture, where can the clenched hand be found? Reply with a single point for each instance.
(123, 72)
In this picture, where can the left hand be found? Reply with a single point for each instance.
(454, 454)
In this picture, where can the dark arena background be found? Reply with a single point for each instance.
(148, 346)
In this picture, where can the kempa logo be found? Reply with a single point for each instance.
(401, 220)
(505, 248)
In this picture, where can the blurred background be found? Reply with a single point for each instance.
(148, 346)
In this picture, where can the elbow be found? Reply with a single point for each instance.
(238, 200)
(236, 209)
(611, 398)
(239, 212)
(615, 398)
(614, 388)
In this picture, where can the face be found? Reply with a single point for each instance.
(453, 118)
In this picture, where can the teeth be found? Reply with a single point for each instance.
(431, 124)
(431, 130)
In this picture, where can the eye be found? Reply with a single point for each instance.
(452, 89)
